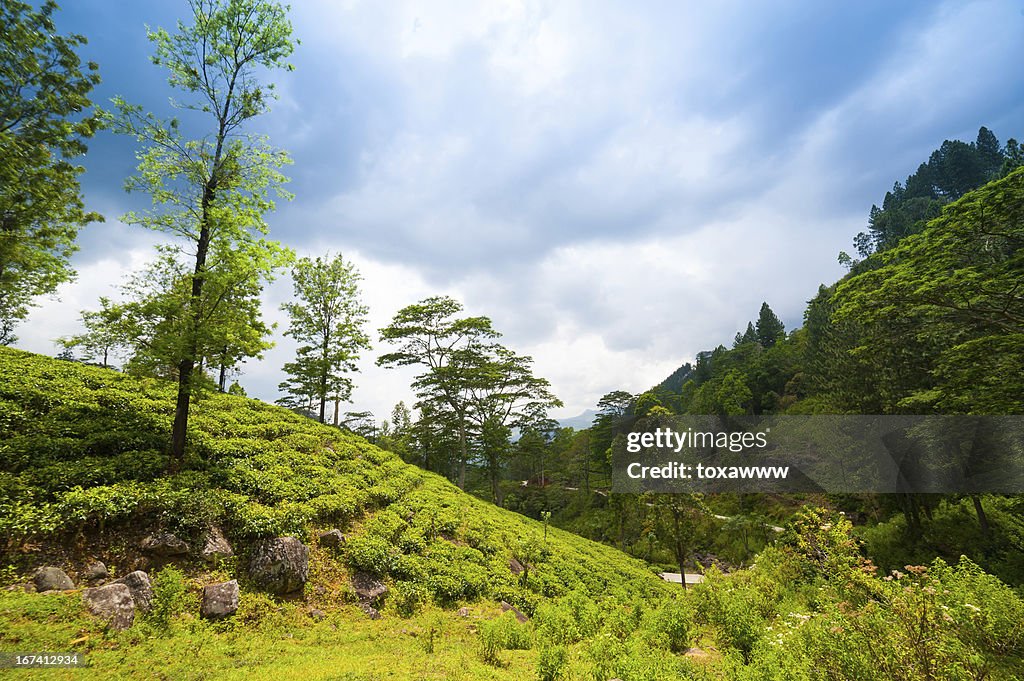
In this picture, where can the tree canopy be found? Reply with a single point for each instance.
(45, 119)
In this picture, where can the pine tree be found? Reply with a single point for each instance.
(769, 328)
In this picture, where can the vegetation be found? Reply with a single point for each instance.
(328, 320)
(45, 120)
(929, 320)
(210, 192)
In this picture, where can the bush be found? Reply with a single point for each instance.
(169, 600)
(551, 662)
(503, 633)
(674, 621)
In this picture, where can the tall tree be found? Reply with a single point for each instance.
(429, 335)
(44, 122)
(769, 328)
(503, 394)
(327, 321)
(211, 192)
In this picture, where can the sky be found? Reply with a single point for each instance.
(618, 186)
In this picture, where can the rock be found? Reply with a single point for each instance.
(371, 611)
(164, 544)
(332, 538)
(368, 588)
(317, 614)
(140, 587)
(516, 567)
(95, 571)
(463, 612)
(280, 565)
(219, 600)
(505, 607)
(112, 602)
(52, 579)
(215, 546)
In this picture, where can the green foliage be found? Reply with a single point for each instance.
(44, 91)
(502, 633)
(327, 323)
(210, 193)
(551, 662)
(169, 597)
(673, 622)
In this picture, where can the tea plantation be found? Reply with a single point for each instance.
(83, 477)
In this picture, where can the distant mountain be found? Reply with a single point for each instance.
(579, 422)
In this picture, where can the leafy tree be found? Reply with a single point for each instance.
(211, 192)
(430, 336)
(503, 394)
(769, 328)
(44, 122)
(104, 333)
(945, 307)
(157, 332)
(328, 322)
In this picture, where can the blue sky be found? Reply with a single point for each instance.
(617, 185)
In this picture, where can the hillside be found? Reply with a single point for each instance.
(82, 478)
(414, 587)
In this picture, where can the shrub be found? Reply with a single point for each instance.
(551, 661)
(169, 600)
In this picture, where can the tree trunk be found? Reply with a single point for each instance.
(185, 367)
(223, 379)
(463, 455)
(982, 518)
(180, 427)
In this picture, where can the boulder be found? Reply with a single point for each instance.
(280, 565)
(505, 607)
(332, 538)
(463, 612)
(52, 579)
(317, 614)
(219, 600)
(515, 566)
(164, 544)
(142, 591)
(95, 571)
(368, 588)
(215, 546)
(112, 602)
(370, 611)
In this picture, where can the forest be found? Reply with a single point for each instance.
(150, 510)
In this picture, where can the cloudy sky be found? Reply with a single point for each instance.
(617, 185)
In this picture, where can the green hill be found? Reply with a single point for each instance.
(82, 477)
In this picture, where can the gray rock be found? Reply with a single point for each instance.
(505, 607)
(112, 602)
(142, 591)
(463, 612)
(317, 614)
(164, 544)
(280, 565)
(95, 571)
(368, 588)
(215, 546)
(219, 600)
(332, 538)
(370, 611)
(515, 566)
(52, 579)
